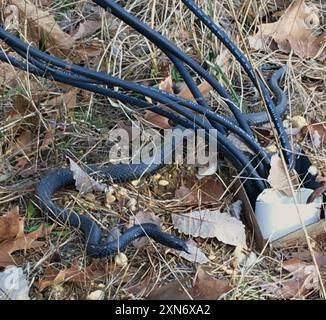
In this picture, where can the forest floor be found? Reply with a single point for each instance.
(43, 123)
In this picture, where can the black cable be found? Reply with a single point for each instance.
(208, 113)
(166, 46)
(260, 85)
(164, 98)
(236, 157)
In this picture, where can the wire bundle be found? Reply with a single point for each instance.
(183, 112)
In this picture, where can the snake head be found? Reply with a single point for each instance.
(181, 245)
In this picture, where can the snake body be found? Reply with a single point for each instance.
(118, 173)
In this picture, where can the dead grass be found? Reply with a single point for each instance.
(84, 131)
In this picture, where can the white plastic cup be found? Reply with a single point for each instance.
(277, 214)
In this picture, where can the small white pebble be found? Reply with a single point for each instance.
(313, 170)
(121, 259)
(101, 285)
(96, 295)
(163, 183)
(110, 198)
(299, 122)
(135, 183)
(157, 176)
(271, 148)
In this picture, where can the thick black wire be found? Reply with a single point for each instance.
(164, 98)
(20, 47)
(191, 84)
(262, 168)
(260, 85)
(167, 46)
(240, 162)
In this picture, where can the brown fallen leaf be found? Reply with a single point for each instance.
(11, 224)
(277, 177)
(8, 75)
(205, 287)
(49, 137)
(205, 88)
(167, 85)
(155, 119)
(22, 143)
(42, 25)
(42, 3)
(73, 274)
(294, 30)
(304, 279)
(207, 192)
(86, 29)
(146, 216)
(211, 224)
(68, 99)
(84, 182)
(21, 242)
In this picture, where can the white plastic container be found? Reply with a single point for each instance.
(277, 214)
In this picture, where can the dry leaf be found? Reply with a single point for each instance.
(89, 27)
(209, 288)
(84, 182)
(208, 192)
(11, 224)
(42, 25)
(277, 176)
(13, 284)
(304, 279)
(8, 75)
(205, 88)
(211, 224)
(166, 85)
(195, 254)
(73, 274)
(49, 137)
(22, 143)
(156, 120)
(68, 99)
(11, 14)
(146, 216)
(294, 30)
(86, 29)
(21, 242)
(205, 287)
